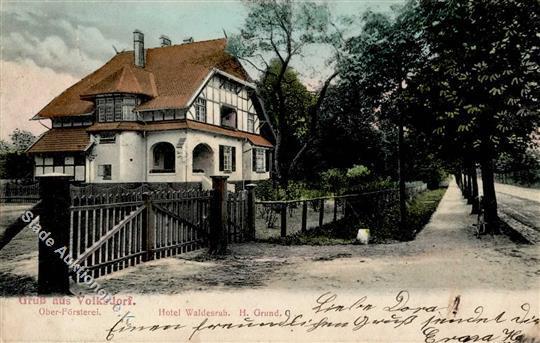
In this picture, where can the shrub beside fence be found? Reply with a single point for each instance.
(373, 209)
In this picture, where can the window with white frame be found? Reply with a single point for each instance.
(105, 171)
(100, 105)
(200, 109)
(259, 160)
(116, 108)
(127, 109)
(109, 109)
(251, 122)
(227, 158)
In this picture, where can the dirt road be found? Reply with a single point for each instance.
(520, 208)
(445, 255)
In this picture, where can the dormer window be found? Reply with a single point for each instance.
(117, 108)
(228, 117)
(128, 105)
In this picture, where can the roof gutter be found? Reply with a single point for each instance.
(38, 117)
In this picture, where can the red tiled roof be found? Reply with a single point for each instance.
(171, 76)
(178, 125)
(128, 79)
(66, 139)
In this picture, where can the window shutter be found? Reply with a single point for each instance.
(254, 159)
(233, 159)
(268, 160)
(221, 159)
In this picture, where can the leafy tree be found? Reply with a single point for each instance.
(14, 163)
(482, 78)
(297, 103)
(282, 30)
(522, 167)
(5, 147)
(346, 134)
(380, 61)
(22, 139)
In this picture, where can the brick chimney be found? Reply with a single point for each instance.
(165, 41)
(138, 48)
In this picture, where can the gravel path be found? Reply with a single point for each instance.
(445, 255)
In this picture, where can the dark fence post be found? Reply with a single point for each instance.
(304, 216)
(251, 211)
(218, 216)
(149, 228)
(321, 213)
(53, 273)
(283, 220)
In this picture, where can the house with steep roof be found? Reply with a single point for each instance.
(175, 113)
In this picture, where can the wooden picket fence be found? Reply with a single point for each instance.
(11, 192)
(237, 214)
(117, 228)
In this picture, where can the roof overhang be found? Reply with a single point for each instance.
(38, 117)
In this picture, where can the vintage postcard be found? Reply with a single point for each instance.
(270, 171)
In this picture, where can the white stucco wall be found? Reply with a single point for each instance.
(213, 141)
(176, 138)
(131, 161)
(125, 155)
(104, 154)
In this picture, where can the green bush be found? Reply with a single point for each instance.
(336, 181)
(382, 219)
(358, 174)
(333, 180)
(267, 190)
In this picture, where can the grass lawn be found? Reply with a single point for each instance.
(344, 230)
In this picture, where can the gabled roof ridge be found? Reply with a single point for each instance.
(185, 44)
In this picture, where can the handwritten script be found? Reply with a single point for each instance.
(431, 323)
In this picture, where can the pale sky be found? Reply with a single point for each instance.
(48, 46)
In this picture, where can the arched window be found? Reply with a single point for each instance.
(163, 158)
(203, 159)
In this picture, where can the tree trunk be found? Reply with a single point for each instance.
(402, 191)
(489, 199)
(474, 177)
(469, 186)
(459, 179)
(465, 184)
